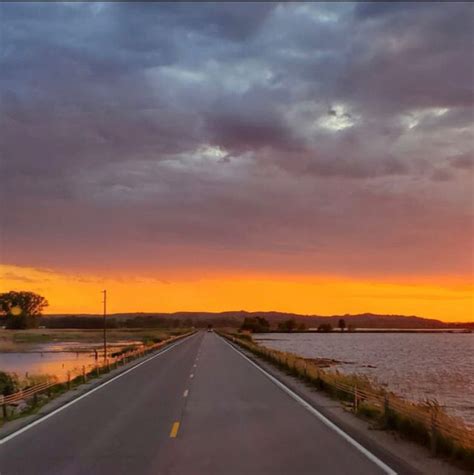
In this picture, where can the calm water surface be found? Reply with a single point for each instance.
(55, 359)
(416, 366)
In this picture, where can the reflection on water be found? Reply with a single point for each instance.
(56, 358)
(74, 347)
(416, 366)
(57, 364)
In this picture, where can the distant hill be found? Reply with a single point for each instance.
(235, 318)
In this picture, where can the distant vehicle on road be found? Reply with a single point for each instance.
(209, 328)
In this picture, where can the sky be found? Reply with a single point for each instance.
(306, 157)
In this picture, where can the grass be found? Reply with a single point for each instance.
(425, 423)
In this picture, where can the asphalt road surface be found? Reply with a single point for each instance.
(199, 408)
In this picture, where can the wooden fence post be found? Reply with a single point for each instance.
(433, 434)
(84, 379)
(69, 380)
(356, 399)
(386, 409)
(4, 407)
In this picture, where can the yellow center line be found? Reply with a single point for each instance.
(174, 430)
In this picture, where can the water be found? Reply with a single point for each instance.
(416, 366)
(53, 364)
(56, 359)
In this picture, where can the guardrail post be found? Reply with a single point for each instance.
(356, 399)
(35, 399)
(69, 380)
(84, 379)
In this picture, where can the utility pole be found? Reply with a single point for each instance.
(105, 323)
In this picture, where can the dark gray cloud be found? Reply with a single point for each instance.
(278, 128)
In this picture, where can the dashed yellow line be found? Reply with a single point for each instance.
(174, 430)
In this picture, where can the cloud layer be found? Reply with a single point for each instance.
(305, 138)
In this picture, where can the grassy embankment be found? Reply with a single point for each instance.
(20, 340)
(425, 423)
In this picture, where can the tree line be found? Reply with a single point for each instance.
(262, 325)
(22, 310)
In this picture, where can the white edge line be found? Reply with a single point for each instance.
(185, 394)
(88, 393)
(320, 416)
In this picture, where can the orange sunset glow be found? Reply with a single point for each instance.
(450, 300)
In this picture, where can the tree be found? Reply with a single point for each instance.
(255, 324)
(288, 325)
(21, 309)
(325, 327)
(342, 324)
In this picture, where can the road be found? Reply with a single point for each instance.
(199, 408)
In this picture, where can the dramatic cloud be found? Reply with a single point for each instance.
(314, 138)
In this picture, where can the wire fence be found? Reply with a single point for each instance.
(427, 422)
(77, 376)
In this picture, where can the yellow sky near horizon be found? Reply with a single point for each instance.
(451, 301)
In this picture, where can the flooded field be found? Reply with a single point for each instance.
(57, 358)
(416, 366)
(54, 352)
